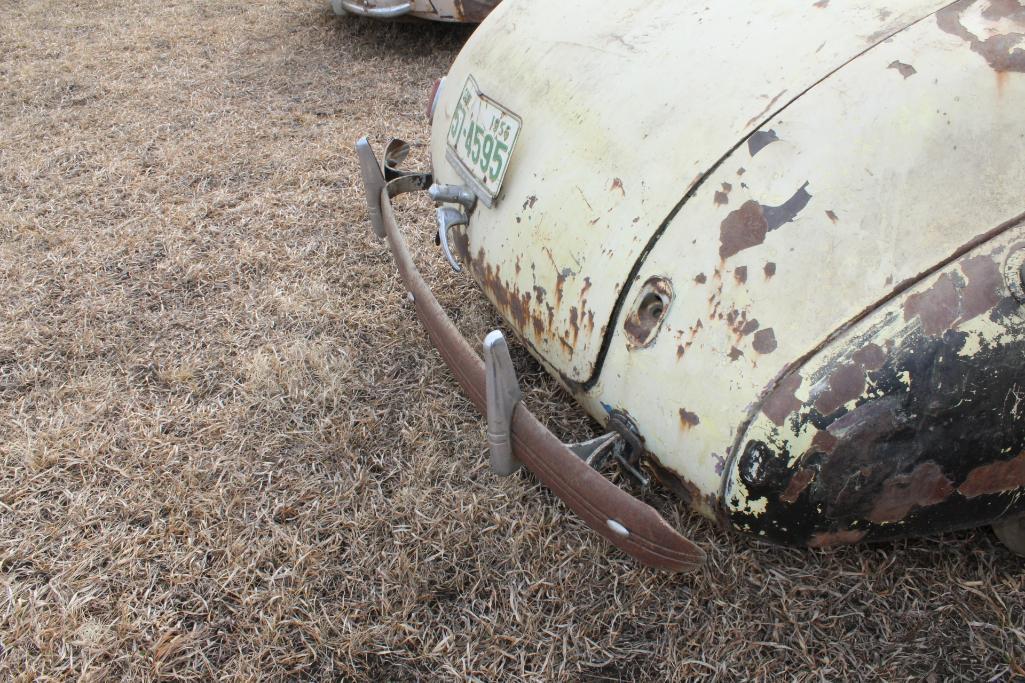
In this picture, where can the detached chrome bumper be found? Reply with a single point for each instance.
(632, 526)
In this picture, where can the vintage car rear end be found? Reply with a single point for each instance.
(470, 11)
(783, 243)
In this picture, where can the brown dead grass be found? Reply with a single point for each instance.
(228, 451)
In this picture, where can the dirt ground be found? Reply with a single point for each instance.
(228, 450)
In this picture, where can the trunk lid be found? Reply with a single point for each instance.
(625, 107)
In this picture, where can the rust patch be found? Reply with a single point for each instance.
(1000, 50)
(996, 477)
(982, 293)
(574, 323)
(539, 294)
(845, 384)
(523, 310)
(924, 486)
(905, 70)
(688, 419)
(617, 184)
(461, 242)
(831, 216)
(782, 401)
(685, 489)
(735, 353)
(722, 197)
(937, 307)
(822, 4)
(949, 301)
(529, 202)
(825, 539)
(743, 228)
(700, 278)
(998, 9)
(749, 327)
(740, 274)
(747, 226)
(769, 269)
(824, 442)
(892, 464)
(764, 341)
(761, 139)
(870, 357)
(560, 282)
(738, 322)
(798, 483)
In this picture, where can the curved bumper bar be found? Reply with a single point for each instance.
(626, 522)
(365, 9)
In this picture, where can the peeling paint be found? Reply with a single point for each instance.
(747, 226)
(926, 485)
(782, 401)
(831, 538)
(1002, 51)
(995, 477)
(688, 419)
(764, 341)
(905, 70)
(902, 431)
(759, 140)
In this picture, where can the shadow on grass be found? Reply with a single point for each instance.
(403, 39)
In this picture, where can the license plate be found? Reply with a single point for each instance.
(481, 138)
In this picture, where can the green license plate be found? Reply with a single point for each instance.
(481, 138)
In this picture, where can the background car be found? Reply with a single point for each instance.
(469, 11)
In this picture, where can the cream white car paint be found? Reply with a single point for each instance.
(868, 126)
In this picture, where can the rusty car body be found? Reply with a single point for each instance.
(776, 249)
(469, 11)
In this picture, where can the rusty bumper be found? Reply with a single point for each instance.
(605, 508)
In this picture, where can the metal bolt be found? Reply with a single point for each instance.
(618, 528)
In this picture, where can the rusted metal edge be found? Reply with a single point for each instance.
(651, 541)
(898, 289)
(620, 303)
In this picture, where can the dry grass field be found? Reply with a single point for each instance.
(229, 452)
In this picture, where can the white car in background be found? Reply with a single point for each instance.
(470, 11)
